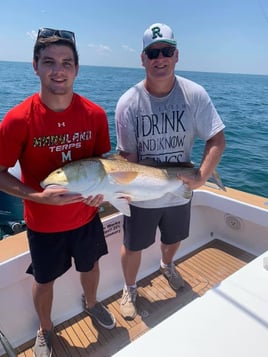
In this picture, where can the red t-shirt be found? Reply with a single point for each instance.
(43, 140)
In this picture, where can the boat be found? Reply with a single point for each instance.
(11, 210)
(222, 310)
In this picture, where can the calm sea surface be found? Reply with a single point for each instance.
(241, 100)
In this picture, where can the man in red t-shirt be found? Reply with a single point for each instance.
(44, 132)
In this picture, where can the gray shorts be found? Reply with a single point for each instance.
(52, 253)
(140, 228)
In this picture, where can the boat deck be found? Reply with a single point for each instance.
(201, 270)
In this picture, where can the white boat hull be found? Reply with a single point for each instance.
(213, 216)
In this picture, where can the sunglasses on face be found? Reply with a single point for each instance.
(64, 34)
(153, 53)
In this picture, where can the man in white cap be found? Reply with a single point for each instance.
(159, 118)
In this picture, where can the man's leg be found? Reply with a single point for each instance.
(130, 261)
(90, 281)
(168, 252)
(167, 266)
(43, 297)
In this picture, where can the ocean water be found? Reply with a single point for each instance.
(241, 100)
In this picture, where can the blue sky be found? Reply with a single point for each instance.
(212, 35)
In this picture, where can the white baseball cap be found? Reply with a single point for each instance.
(158, 33)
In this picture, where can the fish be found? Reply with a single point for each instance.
(7, 345)
(120, 181)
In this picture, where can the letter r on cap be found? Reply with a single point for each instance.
(156, 32)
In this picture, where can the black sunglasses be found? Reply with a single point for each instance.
(64, 34)
(153, 53)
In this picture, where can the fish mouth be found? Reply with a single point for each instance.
(45, 185)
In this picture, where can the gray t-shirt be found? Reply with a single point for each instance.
(164, 129)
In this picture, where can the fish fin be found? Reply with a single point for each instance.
(148, 162)
(186, 164)
(165, 165)
(115, 157)
(123, 177)
(218, 180)
(122, 204)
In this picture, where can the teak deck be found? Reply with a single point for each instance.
(201, 270)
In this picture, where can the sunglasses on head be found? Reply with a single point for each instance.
(153, 53)
(64, 34)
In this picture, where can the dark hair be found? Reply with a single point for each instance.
(42, 43)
